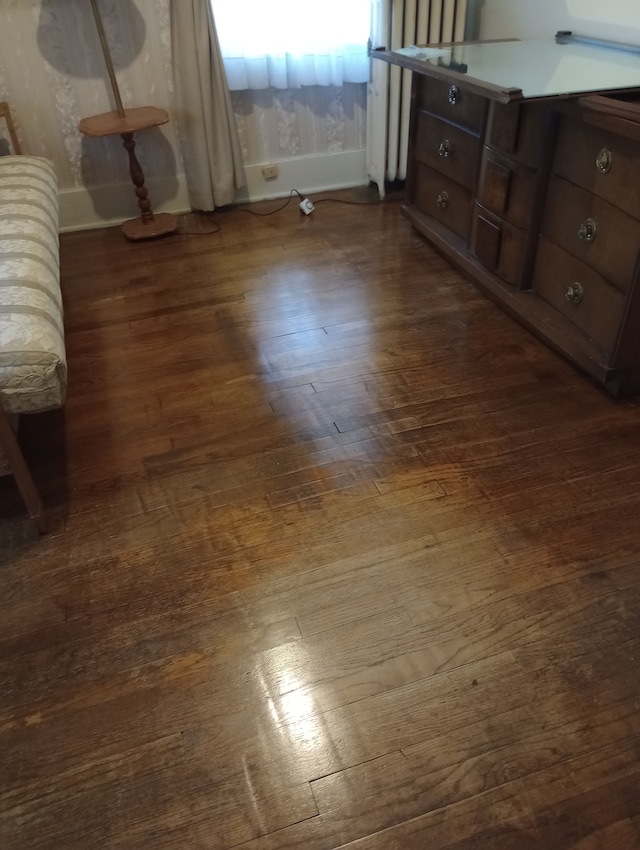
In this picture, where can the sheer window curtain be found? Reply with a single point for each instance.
(206, 122)
(286, 44)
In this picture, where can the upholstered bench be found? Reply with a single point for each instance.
(33, 371)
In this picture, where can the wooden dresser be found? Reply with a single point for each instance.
(538, 200)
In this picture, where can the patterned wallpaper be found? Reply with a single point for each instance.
(53, 74)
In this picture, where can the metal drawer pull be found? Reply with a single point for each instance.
(445, 148)
(604, 160)
(575, 293)
(587, 230)
(442, 200)
(453, 95)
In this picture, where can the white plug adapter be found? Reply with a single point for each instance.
(306, 206)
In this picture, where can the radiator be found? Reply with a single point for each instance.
(401, 23)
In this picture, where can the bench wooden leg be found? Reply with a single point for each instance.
(20, 472)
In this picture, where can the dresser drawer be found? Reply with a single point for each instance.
(518, 130)
(593, 230)
(500, 246)
(443, 199)
(453, 103)
(446, 148)
(507, 188)
(601, 162)
(578, 292)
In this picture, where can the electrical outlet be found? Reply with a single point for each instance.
(270, 172)
(306, 206)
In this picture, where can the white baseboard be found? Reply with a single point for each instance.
(307, 174)
(106, 206)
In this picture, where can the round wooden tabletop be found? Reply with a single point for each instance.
(112, 123)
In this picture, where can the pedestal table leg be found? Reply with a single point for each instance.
(148, 225)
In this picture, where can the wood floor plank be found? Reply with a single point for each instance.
(507, 817)
(134, 812)
(434, 777)
(340, 557)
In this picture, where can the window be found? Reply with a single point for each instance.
(293, 43)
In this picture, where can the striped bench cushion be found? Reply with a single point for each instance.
(33, 371)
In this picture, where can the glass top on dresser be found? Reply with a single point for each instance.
(537, 68)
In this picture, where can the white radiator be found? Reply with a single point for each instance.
(401, 23)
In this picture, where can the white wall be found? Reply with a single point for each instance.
(618, 20)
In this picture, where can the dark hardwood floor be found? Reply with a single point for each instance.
(340, 556)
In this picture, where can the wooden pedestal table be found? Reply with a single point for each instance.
(148, 225)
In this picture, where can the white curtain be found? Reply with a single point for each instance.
(287, 44)
(206, 123)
